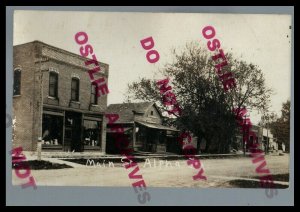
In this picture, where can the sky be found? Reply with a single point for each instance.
(264, 40)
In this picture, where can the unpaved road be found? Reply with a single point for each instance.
(176, 174)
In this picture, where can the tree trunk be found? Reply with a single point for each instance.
(208, 142)
(198, 144)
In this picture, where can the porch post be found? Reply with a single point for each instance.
(133, 137)
(103, 135)
(63, 131)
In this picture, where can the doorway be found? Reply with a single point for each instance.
(73, 132)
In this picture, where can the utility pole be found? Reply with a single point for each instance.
(267, 136)
(245, 133)
(267, 118)
(40, 138)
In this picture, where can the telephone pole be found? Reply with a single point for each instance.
(245, 133)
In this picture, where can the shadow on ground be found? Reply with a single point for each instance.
(256, 184)
(37, 165)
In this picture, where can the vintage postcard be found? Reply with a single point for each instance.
(151, 100)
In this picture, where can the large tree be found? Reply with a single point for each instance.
(206, 107)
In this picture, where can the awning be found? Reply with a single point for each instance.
(109, 130)
(54, 113)
(156, 126)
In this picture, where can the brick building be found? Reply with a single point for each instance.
(53, 98)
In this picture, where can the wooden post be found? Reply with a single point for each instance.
(63, 131)
(134, 137)
(103, 135)
(39, 149)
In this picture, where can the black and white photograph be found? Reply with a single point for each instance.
(162, 100)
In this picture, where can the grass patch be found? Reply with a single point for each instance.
(281, 177)
(37, 165)
(278, 177)
(252, 184)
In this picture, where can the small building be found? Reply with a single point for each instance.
(263, 137)
(142, 123)
(268, 139)
(54, 99)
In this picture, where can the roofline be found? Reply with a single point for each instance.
(168, 128)
(63, 50)
(152, 103)
(129, 103)
(157, 108)
(115, 123)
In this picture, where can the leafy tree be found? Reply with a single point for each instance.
(206, 107)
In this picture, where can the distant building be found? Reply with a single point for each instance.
(143, 125)
(263, 137)
(53, 98)
(268, 139)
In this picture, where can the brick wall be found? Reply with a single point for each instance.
(25, 105)
(73, 65)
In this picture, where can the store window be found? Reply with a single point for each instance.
(91, 134)
(52, 130)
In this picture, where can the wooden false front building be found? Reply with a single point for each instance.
(142, 123)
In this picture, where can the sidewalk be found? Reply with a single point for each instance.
(33, 156)
(220, 172)
(140, 155)
(137, 155)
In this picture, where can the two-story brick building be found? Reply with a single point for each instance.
(54, 99)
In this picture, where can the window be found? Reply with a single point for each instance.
(151, 113)
(52, 128)
(75, 89)
(94, 97)
(17, 82)
(53, 84)
(91, 133)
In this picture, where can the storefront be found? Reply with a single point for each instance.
(145, 137)
(71, 131)
(152, 137)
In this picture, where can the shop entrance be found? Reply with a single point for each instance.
(72, 139)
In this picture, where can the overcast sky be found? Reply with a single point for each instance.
(264, 40)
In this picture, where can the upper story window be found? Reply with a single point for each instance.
(94, 96)
(75, 89)
(53, 84)
(17, 82)
(151, 113)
